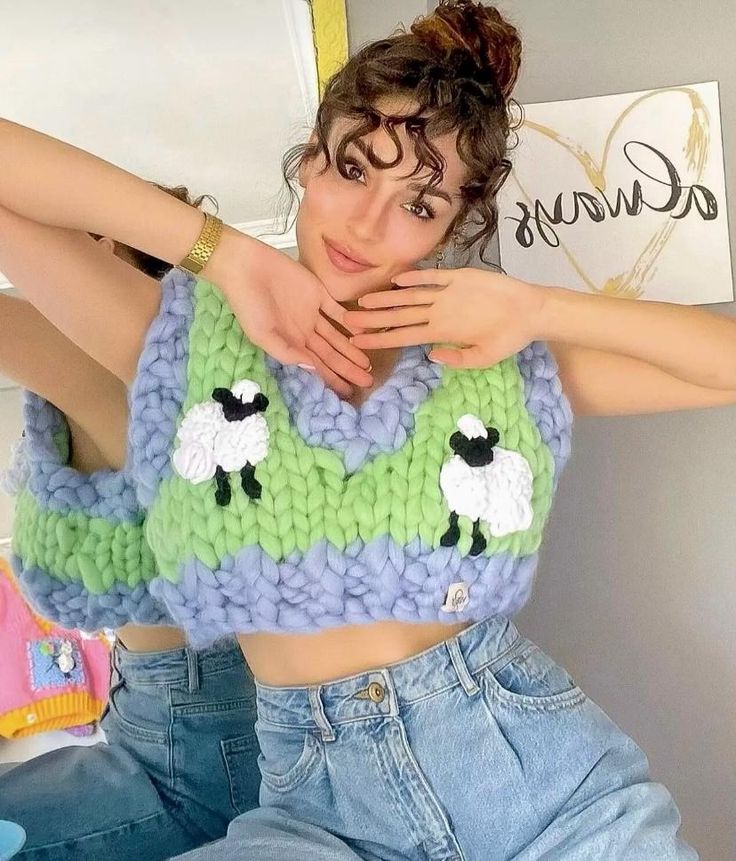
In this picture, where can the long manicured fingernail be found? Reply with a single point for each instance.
(306, 367)
(436, 361)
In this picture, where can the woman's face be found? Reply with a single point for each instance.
(374, 217)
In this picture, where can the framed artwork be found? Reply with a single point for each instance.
(622, 195)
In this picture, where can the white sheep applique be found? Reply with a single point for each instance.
(224, 435)
(486, 483)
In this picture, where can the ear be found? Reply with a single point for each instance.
(107, 243)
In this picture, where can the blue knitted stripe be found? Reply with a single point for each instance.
(546, 401)
(326, 588)
(57, 487)
(160, 386)
(72, 606)
(381, 423)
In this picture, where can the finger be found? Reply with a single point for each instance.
(335, 382)
(342, 344)
(337, 363)
(416, 277)
(468, 357)
(390, 319)
(406, 337)
(333, 309)
(399, 298)
(284, 351)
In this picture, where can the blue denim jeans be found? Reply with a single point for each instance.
(180, 762)
(479, 749)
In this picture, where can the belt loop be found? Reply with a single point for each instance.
(318, 713)
(193, 670)
(461, 668)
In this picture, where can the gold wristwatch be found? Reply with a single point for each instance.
(202, 250)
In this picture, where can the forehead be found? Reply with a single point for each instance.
(385, 148)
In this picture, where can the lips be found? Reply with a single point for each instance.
(342, 257)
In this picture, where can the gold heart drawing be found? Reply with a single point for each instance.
(631, 284)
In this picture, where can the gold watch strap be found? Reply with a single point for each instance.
(202, 250)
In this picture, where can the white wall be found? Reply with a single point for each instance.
(171, 91)
(636, 591)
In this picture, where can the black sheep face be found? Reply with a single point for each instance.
(235, 410)
(477, 451)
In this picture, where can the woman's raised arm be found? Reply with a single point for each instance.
(99, 302)
(54, 183)
(59, 186)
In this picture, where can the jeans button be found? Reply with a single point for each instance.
(376, 692)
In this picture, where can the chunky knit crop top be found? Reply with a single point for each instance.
(271, 504)
(79, 551)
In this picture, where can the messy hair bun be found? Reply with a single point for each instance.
(464, 25)
(458, 67)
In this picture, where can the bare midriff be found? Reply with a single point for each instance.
(283, 660)
(151, 638)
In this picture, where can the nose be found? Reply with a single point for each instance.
(367, 218)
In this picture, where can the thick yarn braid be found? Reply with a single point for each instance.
(78, 547)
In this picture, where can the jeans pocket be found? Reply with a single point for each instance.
(288, 756)
(531, 679)
(143, 715)
(239, 754)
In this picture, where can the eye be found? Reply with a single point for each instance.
(349, 166)
(427, 211)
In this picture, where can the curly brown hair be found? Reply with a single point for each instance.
(459, 65)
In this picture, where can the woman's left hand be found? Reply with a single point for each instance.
(488, 315)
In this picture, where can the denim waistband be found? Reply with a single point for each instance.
(383, 691)
(175, 665)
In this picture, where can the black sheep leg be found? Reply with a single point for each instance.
(250, 484)
(223, 493)
(452, 536)
(479, 542)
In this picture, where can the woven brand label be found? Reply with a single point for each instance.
(457, 598)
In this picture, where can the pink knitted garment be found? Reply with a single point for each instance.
(50, 677)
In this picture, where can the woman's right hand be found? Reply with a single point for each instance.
(286, 310)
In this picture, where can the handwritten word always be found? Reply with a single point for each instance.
(600, 207)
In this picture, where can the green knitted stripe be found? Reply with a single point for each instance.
(400, 492)
(75, 547)
(306, 496)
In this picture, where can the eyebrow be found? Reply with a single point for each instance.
(422, 188)
(429, 191)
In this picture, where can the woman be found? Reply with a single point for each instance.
(151, 799)
(379, 700)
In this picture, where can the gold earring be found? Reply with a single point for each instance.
(439, 258)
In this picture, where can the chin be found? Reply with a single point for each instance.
(344, 292)
(342, 287)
